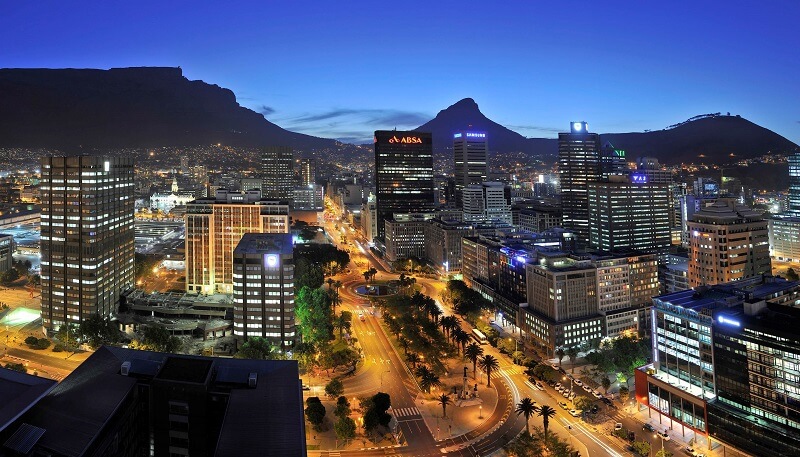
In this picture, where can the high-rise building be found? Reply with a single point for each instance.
(369, 218)
(728, 242)
(443, 243)
(277, 169)
(214, 226)
(307, 171)
(470, 152)
(405, 236)
(629, 213)
(86, 236)
(7, 249)
(403, 174)
(612, 161)
(263, 288)
(578, 165)
(487, 202)
(308, 198)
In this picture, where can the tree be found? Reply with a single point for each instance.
(17, 367)
(157, 338)
(792, 275)
(663, 453)
(9, 276)
(572, 353)
(427, 378)
(334, 388)
(335, 300)
(330, 282)
(403, 343)
(345, 428)
(315, 411)
(624, 394)
(560, 353)
(473, 352)
(343, 322)
(31, 340)
(342, 407)
(526, 445)
(642, 448)
(42, 343)
(413, 359)
(461, 338)
(526, 407)
(606, 383)
(313, 311)
(307, 274)
(97, 330)
(375, 410)
(444, 400)
(489, 363)
(546, 413)
(583, 403)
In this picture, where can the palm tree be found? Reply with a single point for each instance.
(413, 359)
(560, 353)
(473, 352)
(547, 413)
(336, 285)
(372, 272)
(403, 342)
(427, 378)
(335, 300)
(341, 323)
(461, 338)
(527, 407)
(435, 313)
(444, 400)
(330, 282)
(489, 363)
(572, 353)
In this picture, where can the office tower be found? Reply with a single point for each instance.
(578, 165)
(536, 217)
(405, 236)
(308, 198)
(612, 161)
(486, 202)
(723, 361)
(728, 242)
(86, 236)
(403, 174)
(7, 248)
(629, 213)
(369, 218)
(784, 229)
(214, 226)
(263, 288)
(470, 152)
(277, 170)
(443, 243)
(705, 187)
(307, 172)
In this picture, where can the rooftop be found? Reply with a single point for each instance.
(260, 243)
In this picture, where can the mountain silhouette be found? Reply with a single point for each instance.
(715, 136)
(158, 106)
(129, 107)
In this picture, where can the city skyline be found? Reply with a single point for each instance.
(345, 71)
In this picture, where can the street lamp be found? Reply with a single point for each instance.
(480, 411)
(571, 384)
(662, 442)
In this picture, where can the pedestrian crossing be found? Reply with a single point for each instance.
(514, 370)
(405, 412)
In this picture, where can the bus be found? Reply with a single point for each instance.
(478, 336)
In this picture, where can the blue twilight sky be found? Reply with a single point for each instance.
(342, 69)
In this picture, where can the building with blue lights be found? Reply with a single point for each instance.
(470, 154)
(683, 384)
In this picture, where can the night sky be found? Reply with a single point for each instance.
(344, 69)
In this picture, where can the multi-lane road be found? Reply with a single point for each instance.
(384, 370)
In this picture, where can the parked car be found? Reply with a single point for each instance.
(563, 404)
(305, 387)
(566, 394)
(578, 382)
(618, 426)
(575, 412)
(664, 435)
(597, 394)
(648, 427)
(607, 401)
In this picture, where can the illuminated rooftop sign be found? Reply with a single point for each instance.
(457, 135)
(271, 260)
(726, 321)
(406, 140)
(639, 179)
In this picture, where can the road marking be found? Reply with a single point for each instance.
(404, 412)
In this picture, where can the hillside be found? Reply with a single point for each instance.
(129, 107)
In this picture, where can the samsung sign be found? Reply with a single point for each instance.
(639, 179)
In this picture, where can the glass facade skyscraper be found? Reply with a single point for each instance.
(403, 174)
(470, 153)
(578, 165)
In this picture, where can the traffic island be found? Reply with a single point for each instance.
(464, 413)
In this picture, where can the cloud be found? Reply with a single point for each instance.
(371, 117)
(266, 110)
(535, 128)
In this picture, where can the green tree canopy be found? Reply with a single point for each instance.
(313, 311)
(97, 331)
(257, 348)
(334, 388)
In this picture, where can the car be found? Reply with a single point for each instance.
(575, 412)
(305, 387)
(648, 428)
(539, 385)
(565, 394)
(558, 384)
(563, 404)
(664, 435)
(555, 366)
(572, 396)
(607, 401)
(597, 394)
(618, 426)
(578, 382)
